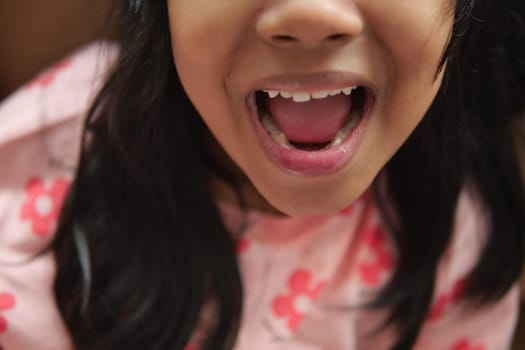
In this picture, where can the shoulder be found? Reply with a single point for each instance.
(470, 232)
(41, 126)
(451, 321)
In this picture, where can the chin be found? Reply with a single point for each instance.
(309, 204)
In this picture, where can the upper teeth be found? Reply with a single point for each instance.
(304, 96)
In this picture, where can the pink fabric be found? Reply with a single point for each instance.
(303, 277)
(40, 128)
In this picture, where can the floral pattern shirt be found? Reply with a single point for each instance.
(304, 277)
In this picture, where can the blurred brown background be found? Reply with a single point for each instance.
(36, 33)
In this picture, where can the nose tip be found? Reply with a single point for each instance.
(309, 23)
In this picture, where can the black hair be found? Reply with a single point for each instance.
(141, 247)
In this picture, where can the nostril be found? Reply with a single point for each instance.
(283, 38)
(337, 37)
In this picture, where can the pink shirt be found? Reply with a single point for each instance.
(297, 272)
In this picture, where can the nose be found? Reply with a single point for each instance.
(309, 23)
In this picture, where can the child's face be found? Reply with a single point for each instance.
(225, 51)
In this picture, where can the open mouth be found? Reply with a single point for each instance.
(312, 121)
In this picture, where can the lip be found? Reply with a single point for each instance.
(311, 163)
(327, 80)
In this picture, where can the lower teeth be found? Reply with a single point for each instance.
(346, 129)
(274, 131)
(279, 137)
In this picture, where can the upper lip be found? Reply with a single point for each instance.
(294, 82)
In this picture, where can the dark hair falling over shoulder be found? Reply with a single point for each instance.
(465, 140)
(157, 248)
(141, 247)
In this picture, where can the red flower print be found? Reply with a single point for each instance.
(7, 301)
(446, 299)
(295, 305)
(464, 344)
(43, 204)
(348, 210)
(242, 245)
(48, 76)
(381, 261)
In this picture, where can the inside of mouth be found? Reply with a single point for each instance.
(358, 99)
(309, 146)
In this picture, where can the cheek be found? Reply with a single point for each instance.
(413, 33)
(205, 35)
(192, 37)
(207, 32)
(413, 38)
(195, 26)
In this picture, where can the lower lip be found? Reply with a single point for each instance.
(311, 163)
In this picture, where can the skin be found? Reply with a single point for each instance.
(35, 34)
(222, 48)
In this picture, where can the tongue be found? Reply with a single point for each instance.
(315, 121)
